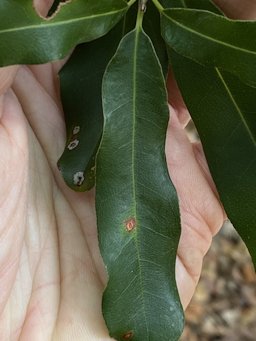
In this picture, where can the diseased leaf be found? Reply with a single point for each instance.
(212, 40)
(224, 110)
(26, 38)
(81, 81)
(54, 7)
(137, 206)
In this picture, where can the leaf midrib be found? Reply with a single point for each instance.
(221, 77)
(47, 23)
(207, 37)
(138, 30)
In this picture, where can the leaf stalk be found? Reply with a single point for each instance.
(158, 5)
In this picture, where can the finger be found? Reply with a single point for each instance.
(7, 75)
(47, 76)
(176, 101)
(238, 9)
(201, 212)
(42, 6)
(42, 113)
(78, 319)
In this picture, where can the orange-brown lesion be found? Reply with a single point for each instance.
(130, 224)
(128, 336)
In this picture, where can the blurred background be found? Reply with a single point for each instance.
(224, 305)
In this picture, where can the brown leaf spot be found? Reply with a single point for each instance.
(130, 224)
(73, 144)
(128, 336)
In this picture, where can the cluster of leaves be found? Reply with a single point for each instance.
(115, 102)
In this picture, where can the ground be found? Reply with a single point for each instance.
(224, 305)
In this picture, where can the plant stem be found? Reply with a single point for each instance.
(158, 5)
(141, 11)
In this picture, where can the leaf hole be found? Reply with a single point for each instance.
(78, 178)
(47, 9)
(73, 144)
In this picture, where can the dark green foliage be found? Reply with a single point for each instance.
(138, 224)
(115, 103)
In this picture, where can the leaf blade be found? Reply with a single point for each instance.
(212, 39)
(30, 39)
(223, 110)
(207, 5)
(81, 81)
(133, 210)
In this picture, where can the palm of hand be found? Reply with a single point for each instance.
(49, 266)
(52, 276)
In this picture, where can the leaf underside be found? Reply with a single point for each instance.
(224, 110)
(26, 38)
(137, 206)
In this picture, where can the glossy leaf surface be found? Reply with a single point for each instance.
(26, 38)
(81, 82)
(224, 110)
(212, 39)
(151, 25)
(137, 206)
(207, 5)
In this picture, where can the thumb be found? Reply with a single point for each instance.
(238, 9)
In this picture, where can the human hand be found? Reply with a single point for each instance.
(51, 272)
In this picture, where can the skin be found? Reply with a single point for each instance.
(52, 275)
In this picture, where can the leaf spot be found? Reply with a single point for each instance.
(128, 336)
(76, 130)
(78, 178)
(130, 224)
(73, 144)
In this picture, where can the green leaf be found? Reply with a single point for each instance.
(137, 206)
(81, 81)
(223, 110)
(207, 5)
(212, 39)
(27, 38)
(151, 26)
(54, 7)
